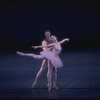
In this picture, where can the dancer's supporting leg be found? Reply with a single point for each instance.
(49, 74)
(44, 63)
(54, 77)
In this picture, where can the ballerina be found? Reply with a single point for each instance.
(52, 56)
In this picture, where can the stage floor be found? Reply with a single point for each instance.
(78, 78)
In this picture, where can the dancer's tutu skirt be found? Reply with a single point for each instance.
(55, 59)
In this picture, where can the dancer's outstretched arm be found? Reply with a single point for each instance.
(50, 45)
(66, 39)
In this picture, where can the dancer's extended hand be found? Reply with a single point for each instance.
(35, 47)
(67, 39)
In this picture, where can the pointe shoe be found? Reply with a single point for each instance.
(20, 53)
(34, 84)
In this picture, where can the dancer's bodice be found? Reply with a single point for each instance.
(57, 49)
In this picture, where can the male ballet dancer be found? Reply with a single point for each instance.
(44, 62)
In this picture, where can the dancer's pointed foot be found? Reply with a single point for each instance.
(49, 88)
(34, 84)
(20, 53)
(54, 86)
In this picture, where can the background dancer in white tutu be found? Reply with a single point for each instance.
(53, 56)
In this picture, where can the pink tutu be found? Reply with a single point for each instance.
(55, 60)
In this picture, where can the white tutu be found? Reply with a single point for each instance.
(55, 60)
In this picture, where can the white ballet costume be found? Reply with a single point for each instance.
(53, 56)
